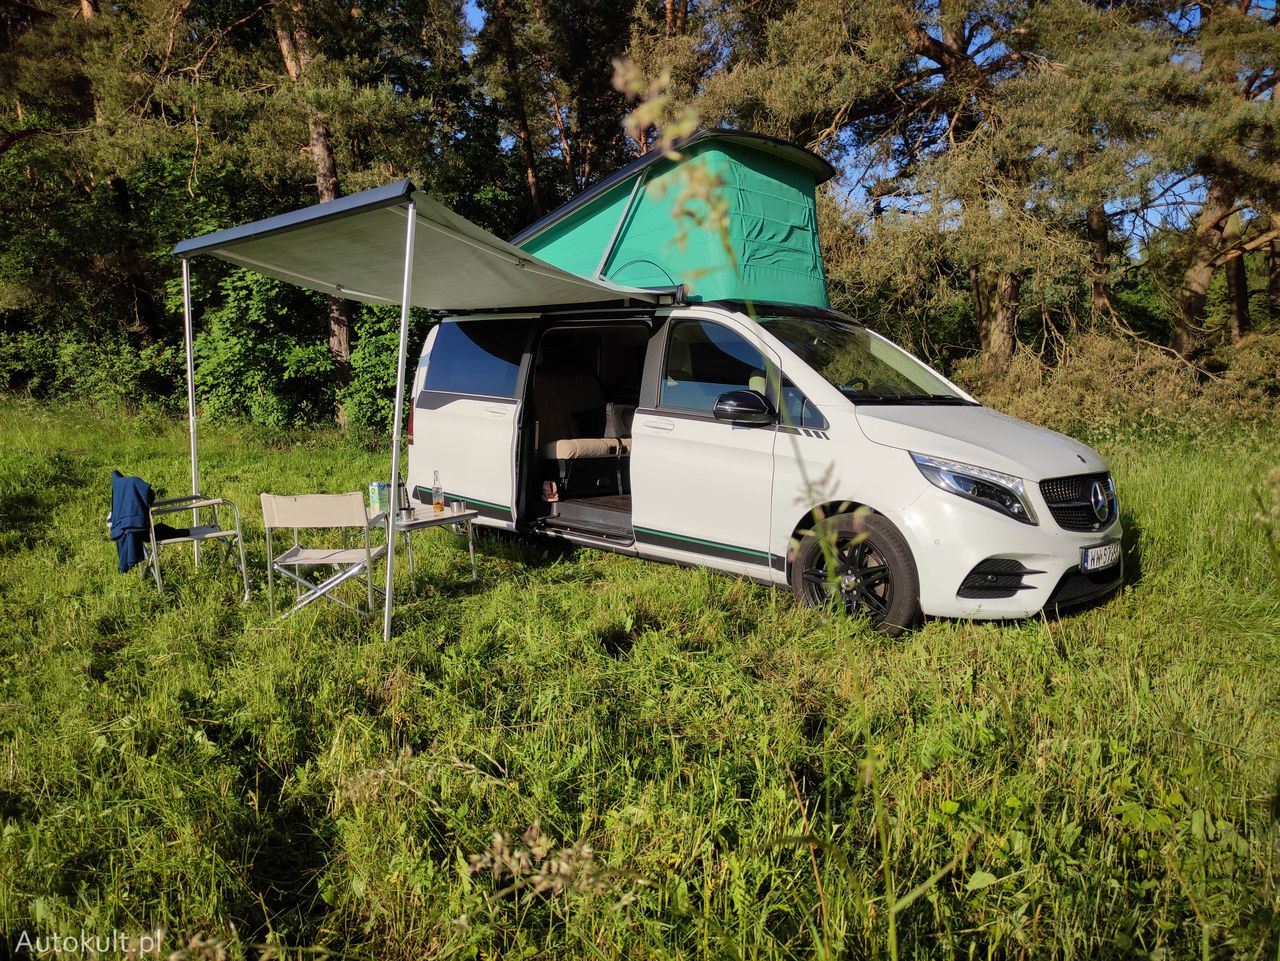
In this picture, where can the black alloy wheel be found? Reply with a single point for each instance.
(873, 573)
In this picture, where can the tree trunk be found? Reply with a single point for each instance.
(1237, 298)
(980, 292)
(557, 117)
(1100, 293)
(1273, 280)
(997, 318)
(516, 98)
(145, 321)
(1199, 270)
(1237, 280)
(682, 16)
(298, 50)
(1004, 331)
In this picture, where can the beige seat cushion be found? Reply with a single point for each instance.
(577, 447)
(563, 398)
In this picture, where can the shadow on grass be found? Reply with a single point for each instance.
(1131, 548)
(526, 550)
(20, 522)
(43, 487)
(290, 856)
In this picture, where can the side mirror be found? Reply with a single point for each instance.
(744, 407)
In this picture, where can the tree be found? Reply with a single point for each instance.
(298, 51)
(912, 87)
(549, 70)
(159, 119)
(1224, 136)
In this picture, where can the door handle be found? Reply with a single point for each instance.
(497, 410)
(663, 425)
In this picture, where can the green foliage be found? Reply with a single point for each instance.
(972, 139)
(1101, 385)
(753, 779)
(368, 402)
(148, 123)
(257, 361)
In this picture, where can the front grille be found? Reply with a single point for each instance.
(995, 577)
(1078, 587)
(1069, 501)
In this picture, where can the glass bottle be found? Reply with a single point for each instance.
(437, 493)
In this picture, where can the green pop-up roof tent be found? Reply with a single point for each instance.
(624, 230)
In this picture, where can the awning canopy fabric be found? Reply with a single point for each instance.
(354, 248)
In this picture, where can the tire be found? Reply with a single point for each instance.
(875, 573)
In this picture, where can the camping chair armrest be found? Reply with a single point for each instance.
(177, 500)
(173, 504)
(178, 505)
(377, 520)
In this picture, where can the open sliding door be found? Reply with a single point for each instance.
(466, 415)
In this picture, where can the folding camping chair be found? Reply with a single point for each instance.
(345, 512)
(135, 524)
(212, 532)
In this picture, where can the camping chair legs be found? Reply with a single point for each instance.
(314, 591)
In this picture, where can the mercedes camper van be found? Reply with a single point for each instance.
(745, 440)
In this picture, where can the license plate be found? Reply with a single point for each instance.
(1100, 557)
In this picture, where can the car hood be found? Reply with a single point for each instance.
(979, 436)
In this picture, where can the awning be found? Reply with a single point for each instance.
(354, 248)
(390, 245)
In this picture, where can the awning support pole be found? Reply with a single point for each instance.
(191, 394)
(405, 299)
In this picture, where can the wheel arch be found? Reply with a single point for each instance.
(813, 516)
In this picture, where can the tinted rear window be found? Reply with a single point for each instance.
(477, 357)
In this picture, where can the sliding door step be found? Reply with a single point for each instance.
(590, 527)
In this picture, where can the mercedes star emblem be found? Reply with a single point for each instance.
(1098, 501)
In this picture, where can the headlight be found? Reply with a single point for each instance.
(990, 488)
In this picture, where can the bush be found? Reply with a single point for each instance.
(369, 399)
(1105, 382)
(260, 356)
(111, 371)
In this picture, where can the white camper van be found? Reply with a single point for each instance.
(742, 439)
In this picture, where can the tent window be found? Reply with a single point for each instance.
(477, 357)
(704, 360)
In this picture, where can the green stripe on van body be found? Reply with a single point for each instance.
(423, 494)
(716, 547)
(450, 496)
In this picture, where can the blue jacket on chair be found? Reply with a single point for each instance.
(131, 499)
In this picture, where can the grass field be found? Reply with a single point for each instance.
(712, 771)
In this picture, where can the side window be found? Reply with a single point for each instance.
(477, 357)
(704, 360)
(798, 410)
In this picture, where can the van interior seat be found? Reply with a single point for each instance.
(571, 418)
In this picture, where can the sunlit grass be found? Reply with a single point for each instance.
(761, 780)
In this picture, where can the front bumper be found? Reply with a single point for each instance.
(950, 537)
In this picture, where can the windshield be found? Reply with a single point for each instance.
(863, 366)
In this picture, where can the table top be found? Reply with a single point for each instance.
(424, 517)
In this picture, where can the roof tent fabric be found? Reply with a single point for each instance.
(626, 230)
(354, 248)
